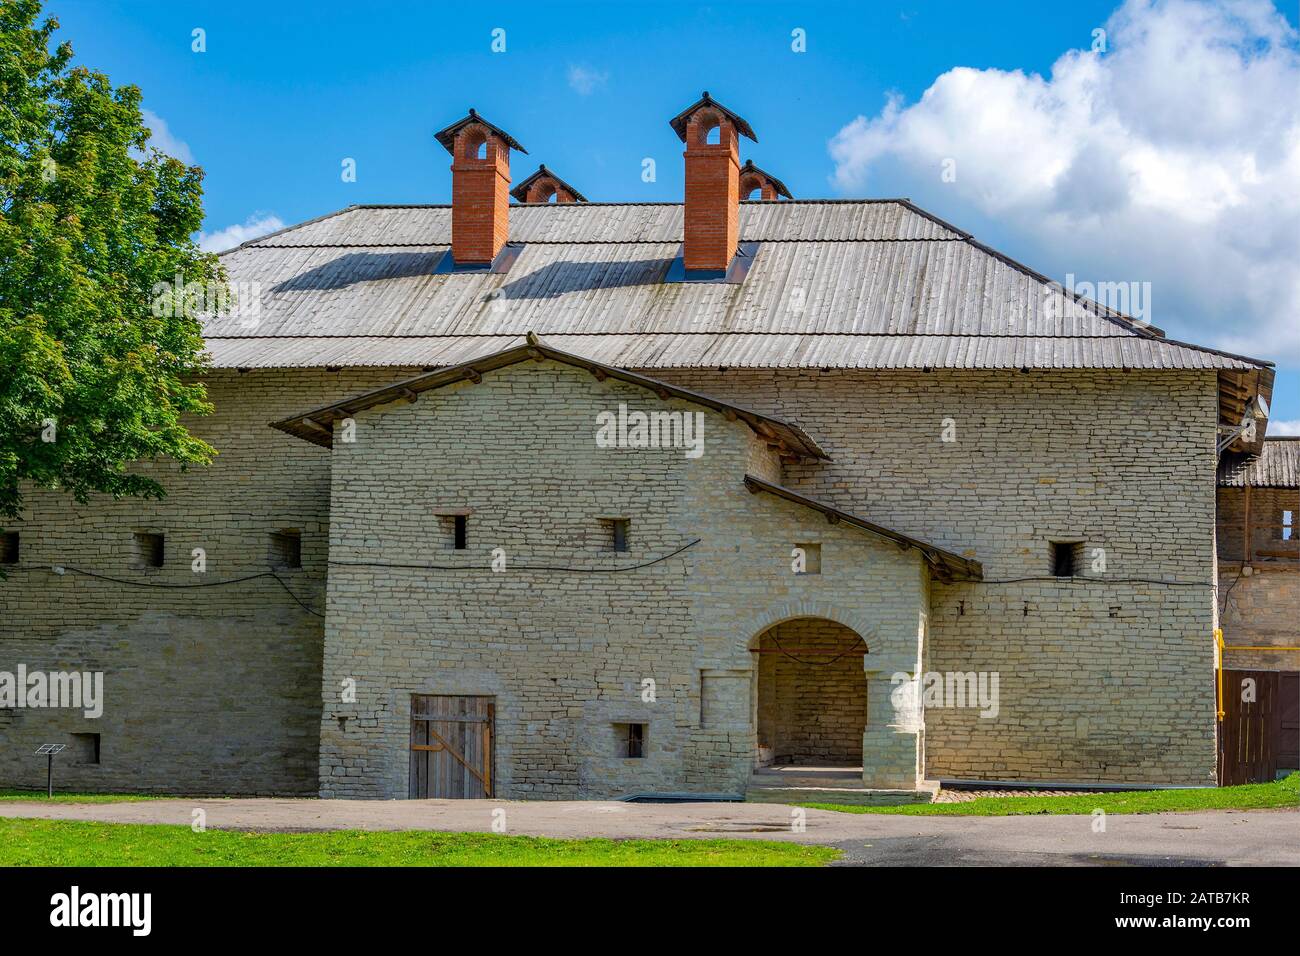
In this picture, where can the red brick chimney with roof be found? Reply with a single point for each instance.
(768, 186)
(711, 227)
(545, 186)
(480, 188)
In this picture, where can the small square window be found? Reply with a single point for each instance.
(148, 549)
(629, 740)
(454, 524)
(286, 549)
(85, 748)
(1065, 558)
(1288, 525)
(9, 548)
(806, 559)
(616, 530)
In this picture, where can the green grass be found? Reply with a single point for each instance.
(1280, 793)
(25, 795)
(77, 843)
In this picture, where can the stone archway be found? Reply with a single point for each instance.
(891, 755)
(810, 699)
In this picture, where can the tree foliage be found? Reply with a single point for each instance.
(92, 379)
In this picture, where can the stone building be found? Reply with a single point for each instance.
(569, 499)
(1259, 556)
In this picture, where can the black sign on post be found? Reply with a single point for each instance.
(49, 750)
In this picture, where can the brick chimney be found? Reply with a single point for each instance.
(480, 188)
(768, 186)
(543, 186)
(711, 228)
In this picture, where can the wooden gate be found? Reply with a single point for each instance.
(1288, 712)
(1257, 737)
(451, 747)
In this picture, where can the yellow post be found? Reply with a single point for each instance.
(1218, 641)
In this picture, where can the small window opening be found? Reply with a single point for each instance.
(714, 136)
(85, 748)
(631, 740)
(806, 559)
(1063, 564)
(1288, 525)
(148, 549)
(9, 548)
(618, 529)
(286, 548)
(459, 532)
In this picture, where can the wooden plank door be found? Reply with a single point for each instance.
(451, 746)
(1288, 712)
(1250, 731)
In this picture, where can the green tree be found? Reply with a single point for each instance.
(94, 378)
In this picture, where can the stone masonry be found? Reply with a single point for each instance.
(567, 653)
(236, 689)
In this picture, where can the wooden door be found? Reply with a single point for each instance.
(1288, 712)
(451, 747)
(1250, 733)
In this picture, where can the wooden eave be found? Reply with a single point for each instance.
(317, 425)
(946, 565)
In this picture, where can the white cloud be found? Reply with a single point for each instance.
(255, 226)
(1291, 427)
(584, 80)
(1173, 158)
(164, 140)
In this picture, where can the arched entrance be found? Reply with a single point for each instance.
(811, 694)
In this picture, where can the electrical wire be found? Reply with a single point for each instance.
(514, 567)
(1241, 570)
(164, 584)
(65, 568)
(848, 650)
(1083, 580)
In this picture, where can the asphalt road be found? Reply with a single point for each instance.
(1212, 838)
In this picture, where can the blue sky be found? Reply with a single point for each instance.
(286, 91)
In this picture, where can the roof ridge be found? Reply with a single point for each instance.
(257, 243)
(296, 225)
(865, 200)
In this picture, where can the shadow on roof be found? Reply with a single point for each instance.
(357, 267)
(560, 278)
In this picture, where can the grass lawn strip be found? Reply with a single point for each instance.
(26, 842)
(1251, 796)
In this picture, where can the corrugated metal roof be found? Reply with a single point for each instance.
(662, 351)
(864, 284)
(1276, 466)
(935, 288)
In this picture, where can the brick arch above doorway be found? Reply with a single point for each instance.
(760, 624)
